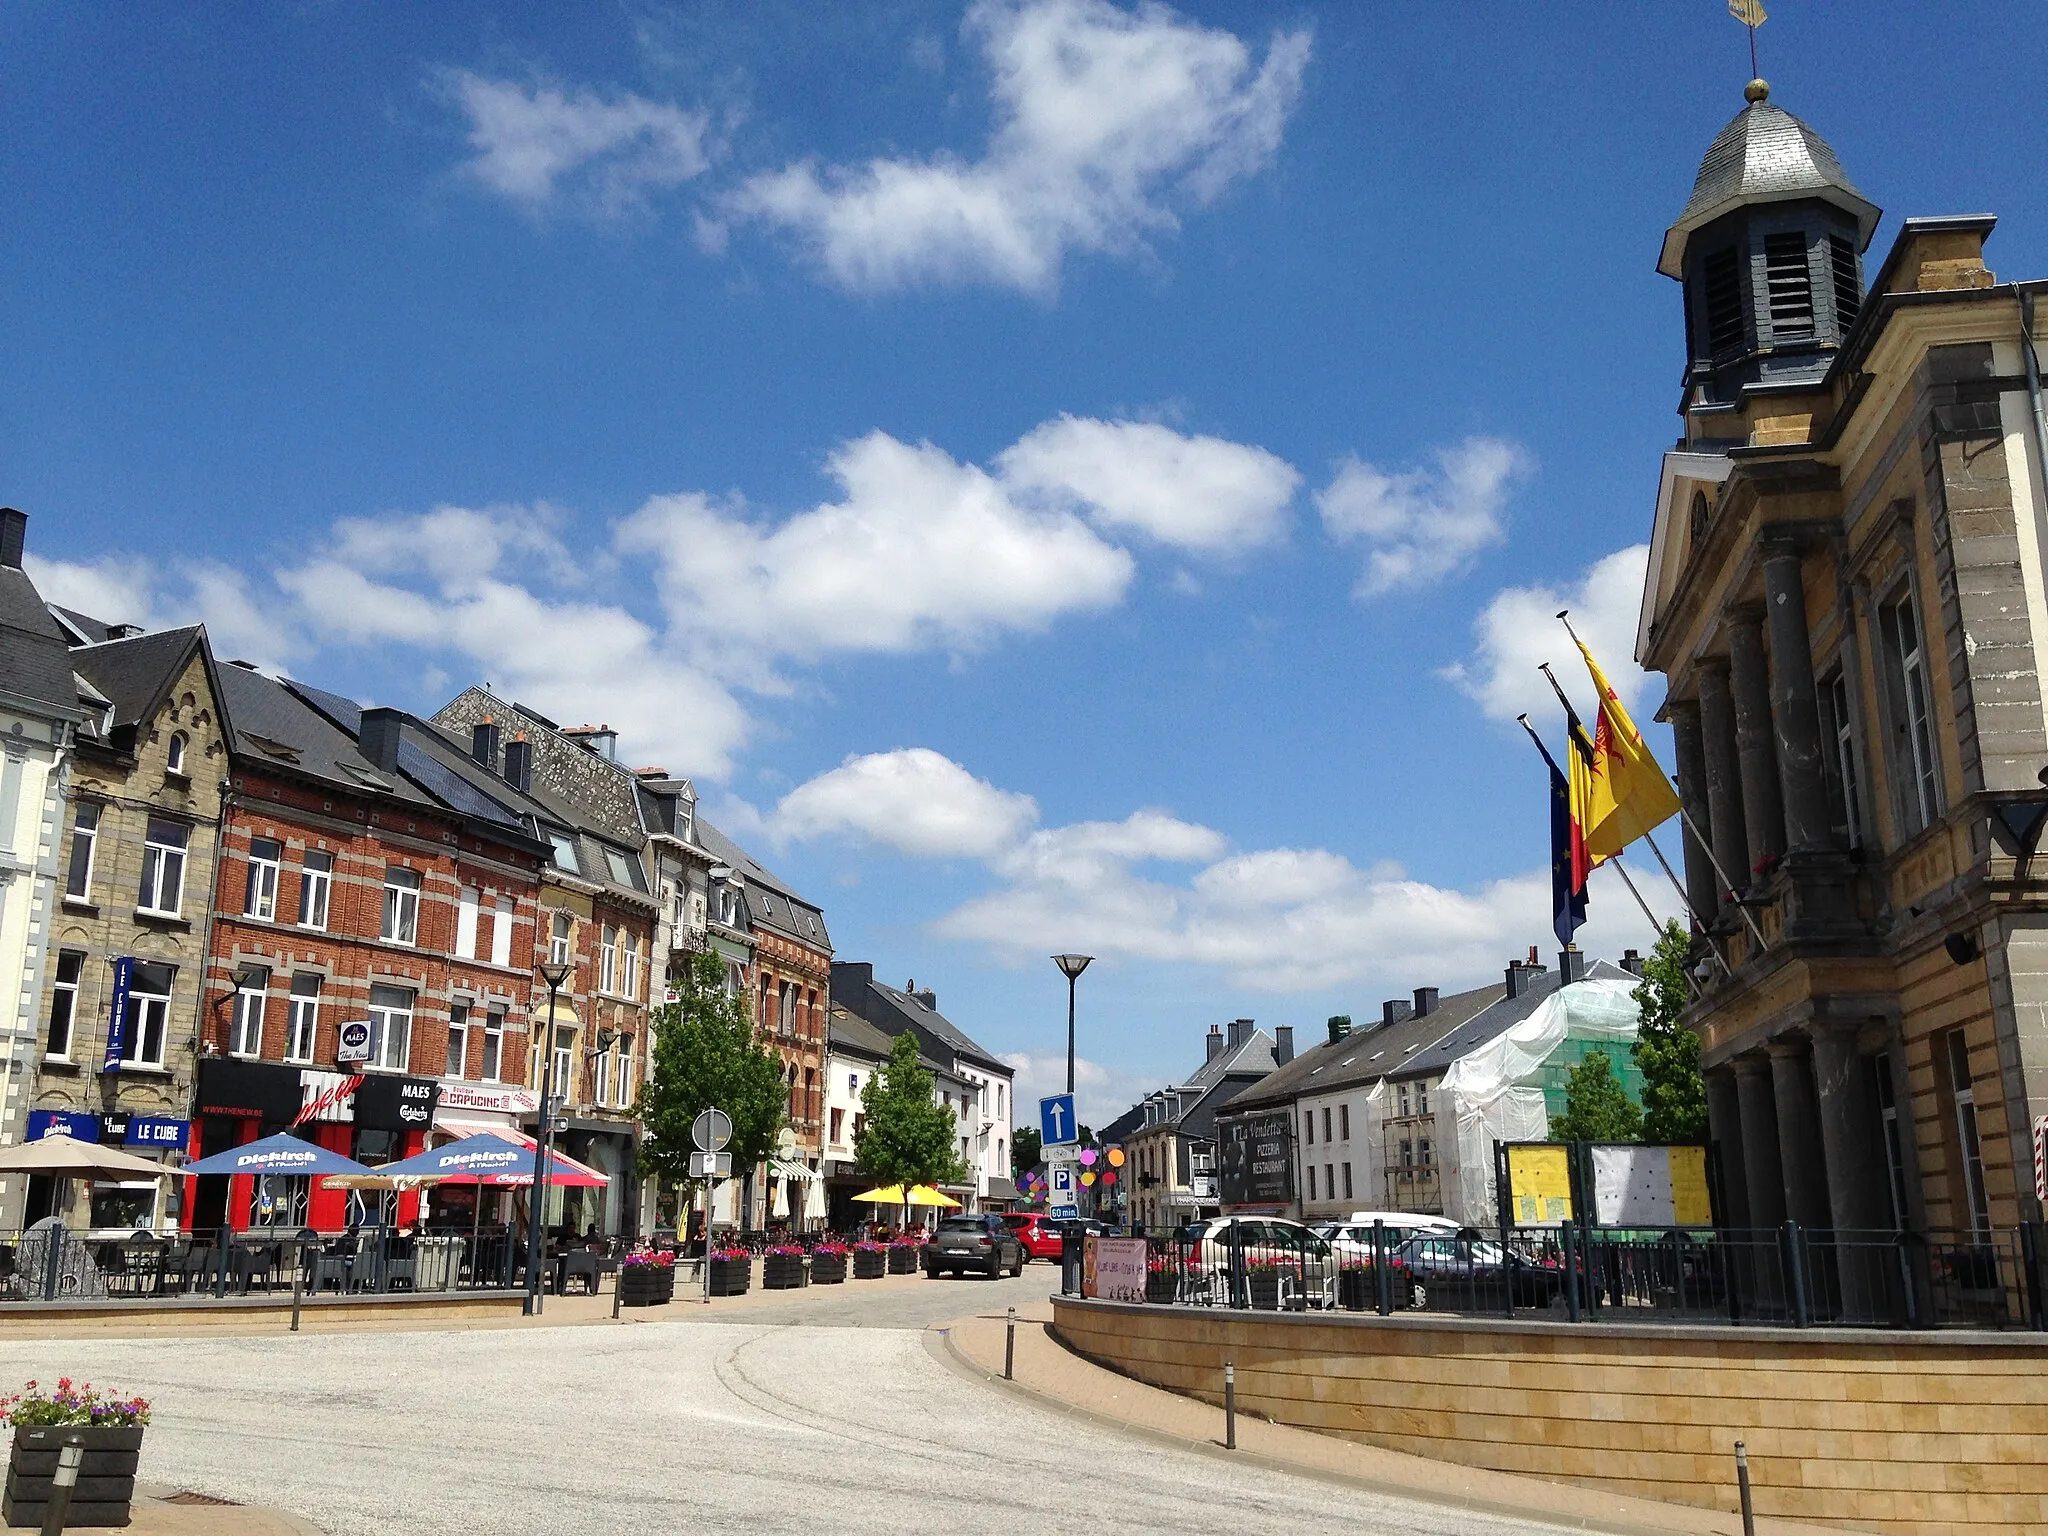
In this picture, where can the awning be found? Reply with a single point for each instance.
(472, 1125)
(781, 1170)
(562, 1168)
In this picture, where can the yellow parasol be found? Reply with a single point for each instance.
(919, 1194)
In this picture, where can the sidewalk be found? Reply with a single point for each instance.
(1064, 1382)
(164, 1511)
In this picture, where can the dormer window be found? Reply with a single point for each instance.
(1790, 283)
(174, 755)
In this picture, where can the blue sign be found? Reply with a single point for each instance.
(117, 1017)
(1061, 1200)
(1057, 1126)
(162, 1135)
(62, 1122)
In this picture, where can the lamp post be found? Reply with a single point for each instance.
(554, 975)
(1071, 966)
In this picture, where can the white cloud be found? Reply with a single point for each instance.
(920, 551)
(1421, 525)
(1198, 493)
(1101, 1092)
(914, 800)
(541, 145)
(122, 590)
(116, 590)
(1106, 122)
(1518, 629)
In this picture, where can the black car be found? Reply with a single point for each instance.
(984, 1244)
(1467, 1270)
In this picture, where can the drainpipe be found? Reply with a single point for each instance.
(2033, 362)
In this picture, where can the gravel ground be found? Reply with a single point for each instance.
(756, 1425)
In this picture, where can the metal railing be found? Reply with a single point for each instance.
(1788, 1276)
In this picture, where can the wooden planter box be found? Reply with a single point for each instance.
(646, 1285)
(106, 1480)
(904, 1258)
(782, 1272)
(828, 1269)
(1162, 1287)
(870, 1265)
(731, 1277)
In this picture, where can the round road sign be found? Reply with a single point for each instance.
(711, 1130)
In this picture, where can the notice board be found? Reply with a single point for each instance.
(1539, 1183)
(1636, 1186)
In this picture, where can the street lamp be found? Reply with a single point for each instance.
(1071, 966)
(554, 975)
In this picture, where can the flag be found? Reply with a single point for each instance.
(1628, 794)
(1749, 12)
(1568, 864)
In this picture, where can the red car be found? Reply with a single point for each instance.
(1039, 1234)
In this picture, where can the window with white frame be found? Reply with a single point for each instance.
(302, 1031)
(458, 1040)
(85, 836)
(246, 1038)
(64, 1004)
(466, 906)
(163, 868)
(561, 929)
(391, 1027)
(608, 960)
(565, 852)
(1422, 1098)
(493, 1060)
(603, 1090)
(622, 1077)
(1965, 1100)
(316, 875)
(565, 1060)
(174, 754)
(629, 943)
(501, 931)
(1836, 722)
(149, 1015)
(259, 895)
(401, 906)
(1913, 745)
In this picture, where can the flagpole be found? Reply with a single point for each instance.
(1712, 948)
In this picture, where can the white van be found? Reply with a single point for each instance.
(1352, 1237)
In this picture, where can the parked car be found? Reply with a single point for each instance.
(1465, 1269)
(1038, 1232)
(981, 1243)
(1352, 1239)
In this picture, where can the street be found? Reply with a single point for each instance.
(799, 1415)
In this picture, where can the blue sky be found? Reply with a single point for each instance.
(1060, 476)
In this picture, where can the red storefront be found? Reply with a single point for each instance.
(373, 1117)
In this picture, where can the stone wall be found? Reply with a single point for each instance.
(1895, 1432)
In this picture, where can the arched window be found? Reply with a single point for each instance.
(174, 758)
(1701, 513)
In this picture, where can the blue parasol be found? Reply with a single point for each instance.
(280, 1154)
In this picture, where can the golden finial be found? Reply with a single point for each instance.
(1756, 91)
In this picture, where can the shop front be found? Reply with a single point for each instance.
(609, 1148)
(373, 1117)
(113, 1208)
(476, 1109)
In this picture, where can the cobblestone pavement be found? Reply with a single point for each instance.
(758, 1422)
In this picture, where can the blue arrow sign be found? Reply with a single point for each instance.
(1057, 1126)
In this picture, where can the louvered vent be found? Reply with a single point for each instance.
(1723, 278)
(1791, 284)
(1847, 280)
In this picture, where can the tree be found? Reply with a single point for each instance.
(1668, 1054)
(907, 1137)
(1025, 1151)
(1596, 1106)
(706, 1056)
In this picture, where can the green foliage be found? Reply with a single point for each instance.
(1597, 1108)
(907, 1137)
(1025, 1151)
(1674, 1092)
(706, 1056)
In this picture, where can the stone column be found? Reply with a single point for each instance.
(1724, 1125)
(1858, 1172)
(1762, 1171)
(1700, 884)
(1763, 811)
(1724, 775)
(1795, 707)
(1799, 1145)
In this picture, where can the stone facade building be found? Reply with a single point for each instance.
(1846, 594)
(1171, 1153)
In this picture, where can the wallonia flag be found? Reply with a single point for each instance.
(1629, 794)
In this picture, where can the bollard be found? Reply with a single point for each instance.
(1742, 1486)
(618, 1290)
(1010, 1347)
(298, 1280)
(1230, 1405)
(58, 1509)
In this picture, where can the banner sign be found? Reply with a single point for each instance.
(354, 1042)
(117, 1014)
(1657, 1186)
(62, 1122)
(154, 1133)
(1258, 1160)
(1119, 1270)
(1539, 1184)
(386, 1103)
(490, 1098)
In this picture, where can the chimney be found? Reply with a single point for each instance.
(1518, 978)
(1425, 1001)
(1534, 963)
(377, 738)
(1571, 964)
(1215, 1042)
(519, 762)
(483, 742)
(1632, 962)
(1240, 1031)
(13, 536)
(929, 998)
(1396, 1010)
(1340, 1026)
(1283, 1044)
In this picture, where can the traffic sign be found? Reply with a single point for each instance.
(1056, 1123)
(711, 1130)
(710, 1165)
(1070, 1154)
(1060, 1195)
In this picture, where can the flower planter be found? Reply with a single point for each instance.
(828, 1269)
(106, 1479)
(731, 1277)
(1162, 1287)
(904, 1258)
(869, 1264)
(1264, 1286)
(1358, 1291)
(646, 1285)
(782, 1271)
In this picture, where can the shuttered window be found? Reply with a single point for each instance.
(1790, 283)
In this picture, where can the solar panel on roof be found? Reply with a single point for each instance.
(450, 787)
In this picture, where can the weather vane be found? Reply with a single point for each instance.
(1751, 14)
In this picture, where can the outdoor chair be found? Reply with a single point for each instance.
(331, 1265)
(401, 1263)
(250, 1261)
(195, 1265)
(580, 1264)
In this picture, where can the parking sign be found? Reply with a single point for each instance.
(1060, 1198)
(1056, 1123)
